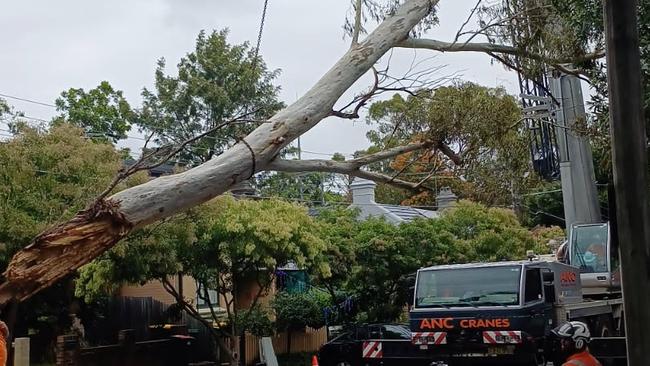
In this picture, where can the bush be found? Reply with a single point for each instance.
(295, 311)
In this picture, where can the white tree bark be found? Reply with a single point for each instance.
(342, 168)
(436, 45)
(353, 167)
(63, 249)
(166, 196)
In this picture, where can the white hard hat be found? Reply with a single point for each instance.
(577, 331)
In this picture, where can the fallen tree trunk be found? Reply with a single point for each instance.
(64, 248)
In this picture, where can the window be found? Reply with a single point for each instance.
(345, 337)
(475, 286)
(395, 332)
(589, 249)
(200, 295)
(533, 285)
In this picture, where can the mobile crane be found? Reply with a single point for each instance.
(531, 297)
(503, 312)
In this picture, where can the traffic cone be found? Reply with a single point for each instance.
(314, 361)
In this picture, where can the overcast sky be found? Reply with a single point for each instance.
(50, 46)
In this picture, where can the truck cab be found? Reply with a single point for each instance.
(487, 310)
(590, 248)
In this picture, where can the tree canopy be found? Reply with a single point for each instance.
(215, 83)
(228, 246)
(480, 150)
(375, 261)
(102, 112)
(157, 199)
(46, 177)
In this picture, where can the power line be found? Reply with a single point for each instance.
(27, 100)
(127, 137)
(18, 115)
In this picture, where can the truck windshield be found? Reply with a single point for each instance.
(589, 248)
(481, 286)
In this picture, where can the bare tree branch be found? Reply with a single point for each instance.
(353, 167)
(469, 17)
(451, 154)
(357, 23)
(483, 47)
(342, 168)
(385, 154)
(140, 165)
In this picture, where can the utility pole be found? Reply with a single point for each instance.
(629, 146)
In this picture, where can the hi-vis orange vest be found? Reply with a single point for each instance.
(582, 359)
(3, 351)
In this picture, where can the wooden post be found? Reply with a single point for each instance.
(630, 171)
(67, 350)
(21, 351)
(126, 340)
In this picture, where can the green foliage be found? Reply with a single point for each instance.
(585, 18)
(375, 261)
(492, 234)
(256, 321)
(338, 229)
(380, 277)
(102, 112)
(224, 245)
(311, 188)
(295, 311)
(46, 177)
(548, 239)
(478, 124)
(4, 107)
(543, 205)
(215, 83)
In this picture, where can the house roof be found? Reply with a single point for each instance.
(407, 213)
(163, 169)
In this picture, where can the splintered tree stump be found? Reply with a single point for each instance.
(62, 250)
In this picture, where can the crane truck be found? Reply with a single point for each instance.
(504, 311)
(501, 313)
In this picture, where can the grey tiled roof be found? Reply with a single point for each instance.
(407, 213)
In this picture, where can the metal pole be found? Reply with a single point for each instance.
(579, 192)
(630, 172)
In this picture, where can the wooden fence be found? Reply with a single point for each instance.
(309, 340)
(171, 351)
(140, 314)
